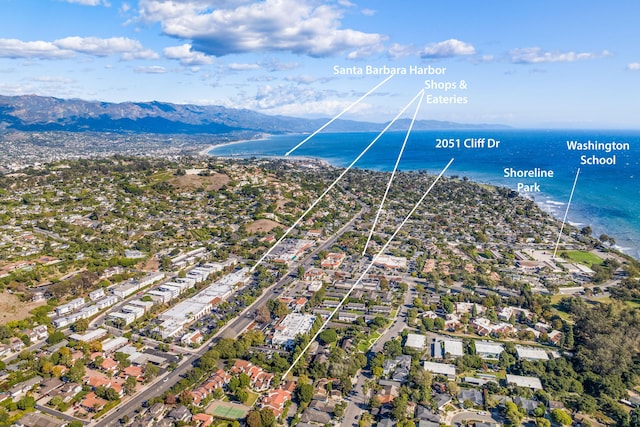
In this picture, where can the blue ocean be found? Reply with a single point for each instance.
(606, 196)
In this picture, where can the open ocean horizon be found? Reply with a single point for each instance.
(606, 197)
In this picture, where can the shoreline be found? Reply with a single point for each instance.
(205, 151)
(546, 203)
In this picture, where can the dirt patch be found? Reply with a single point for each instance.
(152, 264)
(11, 308)
(209, 183)
(265, 225)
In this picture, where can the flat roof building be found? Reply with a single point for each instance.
(521, 381)
(452, 348)
(416, 341)
(445, 369)
(96, 334)
(290, 327)
(531, 353)
(488, 349)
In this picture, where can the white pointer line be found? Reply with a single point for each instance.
(364, 273)
(333, 184)
(393, 173)
(338, 116)
(564, 220)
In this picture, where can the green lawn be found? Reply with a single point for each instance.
(582, 257)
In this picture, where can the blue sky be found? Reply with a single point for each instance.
(527, 63)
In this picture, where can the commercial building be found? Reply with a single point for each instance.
(290, 327)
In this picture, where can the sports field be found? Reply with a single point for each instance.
(227, 410)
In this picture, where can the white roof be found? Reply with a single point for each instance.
(489, 347)
(90, 335)
(416, 341)
(453, 348)
(520, 381)
(440, 368)
(531, 353)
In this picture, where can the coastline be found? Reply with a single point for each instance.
(205, 151)
(626, 242)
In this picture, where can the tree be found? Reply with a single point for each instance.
(244, 380)
(543, 422)
(27, 402)
(55, 337)
(512, 414)
(263, 315)
(242, 396)
(80, 326)
(130, 386)
(328, 336)
(76, 372)
(267, 417)
(151, 371)
(304, 393)
(393, 348)
(209, 361)
(561, 417)
(254, 419)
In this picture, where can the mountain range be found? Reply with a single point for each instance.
(39, 113)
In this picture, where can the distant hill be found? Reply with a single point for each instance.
(38, 113)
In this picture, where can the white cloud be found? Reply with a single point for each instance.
(535, 55)
(90, 2)
(52, 79)
(186, 55)
(447, 49)
(71, 46)
(304, 80)
(635, 66)
(397, 51)
(153, 69)
(299, 26)
(13, 48)
(242, 67)
(129, 48)
(368, 12)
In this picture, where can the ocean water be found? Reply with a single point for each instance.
(606, 197)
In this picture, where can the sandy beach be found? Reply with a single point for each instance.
(205, 151)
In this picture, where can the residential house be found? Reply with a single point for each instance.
(527, 404)
(311, 415)
(275, 400)
(92, 403)
(441, 400)
(473, 395)
(179, 413)
(24, 386)
(16, 344)
(202, 420)
(157, 410)
(109, 365)
(133, 371)
(424, 413)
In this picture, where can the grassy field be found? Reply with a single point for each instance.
(582, 257)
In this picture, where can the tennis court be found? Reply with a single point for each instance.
(229, 411)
